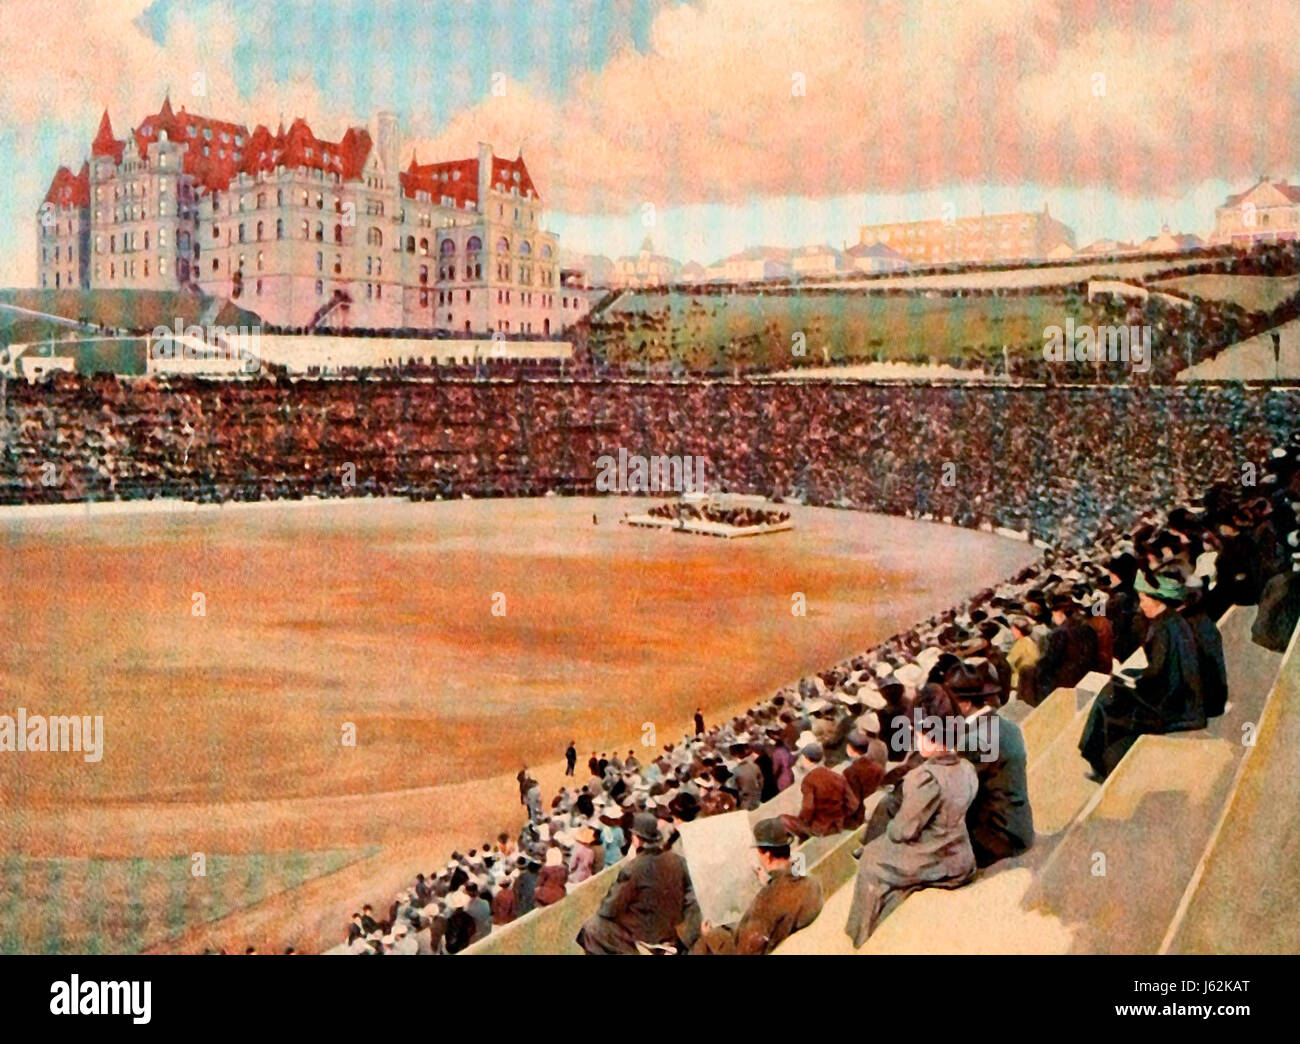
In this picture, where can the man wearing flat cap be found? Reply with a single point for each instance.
(1166, 697)
(652, 901)
(784, 905)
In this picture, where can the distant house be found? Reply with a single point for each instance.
(692, 272)
(1267, 212)
(645, 268)
(814, 261)
(875, 257)
(753, 265)
(1169, 243)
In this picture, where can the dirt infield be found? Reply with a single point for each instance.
(223, 731)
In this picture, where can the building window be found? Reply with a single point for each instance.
(374, 237)
(320, 288)
(279, 228)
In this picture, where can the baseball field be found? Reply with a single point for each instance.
(235, 652)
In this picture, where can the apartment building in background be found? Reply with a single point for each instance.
(973, 240)
(307, 232)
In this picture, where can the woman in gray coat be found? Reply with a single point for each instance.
(926, 844)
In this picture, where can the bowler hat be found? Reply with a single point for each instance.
(972, 679)
(646, 827)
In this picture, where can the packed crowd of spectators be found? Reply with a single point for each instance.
(1054, 462)
(1159, 585)
(730, 339)
(1089, 468)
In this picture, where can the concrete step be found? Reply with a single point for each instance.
(1115, 882)
(1241, 898)
(1050, 736)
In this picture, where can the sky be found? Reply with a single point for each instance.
(709, 125)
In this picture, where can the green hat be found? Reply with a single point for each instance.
(1167, 589)
(771, 833)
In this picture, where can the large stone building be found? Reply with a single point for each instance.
(307, 232)
(1267, 212)
(983, 239)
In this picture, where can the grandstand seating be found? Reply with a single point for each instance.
(1152, 819)
(1249, 868)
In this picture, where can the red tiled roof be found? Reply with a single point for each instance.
(458, 179)
(224, 141)
(299, 147)
(105, 144)
(232, 150)
(68, 189)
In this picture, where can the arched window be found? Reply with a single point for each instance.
(320, 231)
(374, 237)
(338, 233)
(474, 244)
(546, 251)
(410, 244)
(525, 248)
(279, 228)
(446, 248)
(424, 248)
(503, 245)
(259, 230)
(306, 230)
